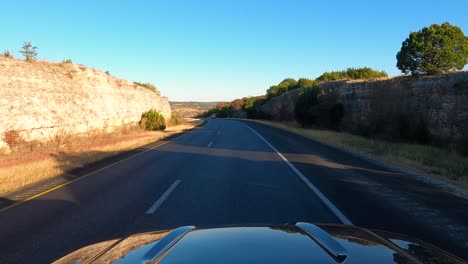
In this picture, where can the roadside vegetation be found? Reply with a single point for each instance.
(365, 73)
(30, 162)
(288, 85)
(176, 119)
(148, 86)
(25, 162)
(439, 163)
(250, 105)
(392, 132)
(6, 53)
(152, 120)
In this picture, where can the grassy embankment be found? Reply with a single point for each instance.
(432, 161)
(32, 162)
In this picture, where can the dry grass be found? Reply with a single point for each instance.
(432, 161)
(33, 162)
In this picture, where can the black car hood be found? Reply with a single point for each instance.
(304, 243)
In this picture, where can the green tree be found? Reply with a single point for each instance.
(302, 83)
(283, 87)
(29, 51)
(250, 104)
(433, 49)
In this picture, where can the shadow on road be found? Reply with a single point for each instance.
(370, 196)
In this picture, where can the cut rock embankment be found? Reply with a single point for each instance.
(42, 100)
(441, 101)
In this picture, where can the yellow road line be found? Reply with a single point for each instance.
(81, 177)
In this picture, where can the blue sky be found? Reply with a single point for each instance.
(221, 50)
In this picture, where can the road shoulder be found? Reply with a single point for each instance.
(39, 188)
(417, 175)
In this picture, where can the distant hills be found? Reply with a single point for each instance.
(191, 109)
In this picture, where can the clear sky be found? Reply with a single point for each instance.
(221, 50)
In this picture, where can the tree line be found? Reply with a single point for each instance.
(432, 50)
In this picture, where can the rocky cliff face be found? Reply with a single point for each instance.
(442, 101)
(41, 100)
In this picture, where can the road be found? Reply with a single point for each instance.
(229, 172)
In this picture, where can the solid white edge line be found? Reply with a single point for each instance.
(163, 198)
(317, 192)
(211, 143)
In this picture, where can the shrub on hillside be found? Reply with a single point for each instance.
(225, 111)
(222, 110)
(29, 51)
(13, 138)
(7, 54)
(67, 61)
(365, 73)
(148, 86)
(306, 100)
(288, 85)
(152, 120)
(238, 104)
(251, 105)
(303, 83)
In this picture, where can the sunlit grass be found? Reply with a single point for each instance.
(68, 153)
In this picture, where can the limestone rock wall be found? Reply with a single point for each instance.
(41, 100)
(442, 101)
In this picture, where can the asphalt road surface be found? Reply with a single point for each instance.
(229, 172)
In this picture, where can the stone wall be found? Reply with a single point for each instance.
(41, 100)
(442, 101)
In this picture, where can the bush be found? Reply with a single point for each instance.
(281, 88)
(148, 86)
(224, 112)
(287, 85)
(433, 49)
(13, 138)
(29, 51)
(176, 119)
(67, 61)
(238, 104)
(365, 73)
(152, 120)
(7, 54)
(251, 104)
(305, 101)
